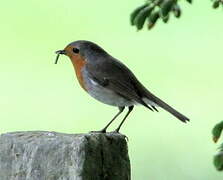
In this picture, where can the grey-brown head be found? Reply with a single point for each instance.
(81, 49)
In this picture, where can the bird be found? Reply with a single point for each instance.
(109, 81)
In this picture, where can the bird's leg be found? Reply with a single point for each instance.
(130, 109)
(121, 109)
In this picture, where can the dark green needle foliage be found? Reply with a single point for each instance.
(218, 158)
(217, 3)
(153, 10)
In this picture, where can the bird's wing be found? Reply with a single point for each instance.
(118, 78)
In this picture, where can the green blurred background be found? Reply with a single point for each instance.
(180, 62)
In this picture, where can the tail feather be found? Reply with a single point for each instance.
(165, 106)
(155, 108)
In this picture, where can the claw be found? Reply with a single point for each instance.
(117, 132)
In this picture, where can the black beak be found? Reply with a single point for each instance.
(58, 54)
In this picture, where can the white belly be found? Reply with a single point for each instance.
(105, 95)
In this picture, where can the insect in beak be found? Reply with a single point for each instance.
(59, 52)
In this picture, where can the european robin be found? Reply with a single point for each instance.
(110, 81)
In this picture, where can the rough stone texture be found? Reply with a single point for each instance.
(56, 156)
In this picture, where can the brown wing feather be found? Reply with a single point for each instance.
(121, 80)
(117, 79)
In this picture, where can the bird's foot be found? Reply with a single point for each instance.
(117, 132)
(100, 131)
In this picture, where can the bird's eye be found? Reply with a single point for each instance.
(75, 50)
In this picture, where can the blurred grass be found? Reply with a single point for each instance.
(180, 62)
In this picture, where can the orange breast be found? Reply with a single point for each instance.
(78, 63)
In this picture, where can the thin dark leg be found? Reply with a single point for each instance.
(130, 109)
(121, 109)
